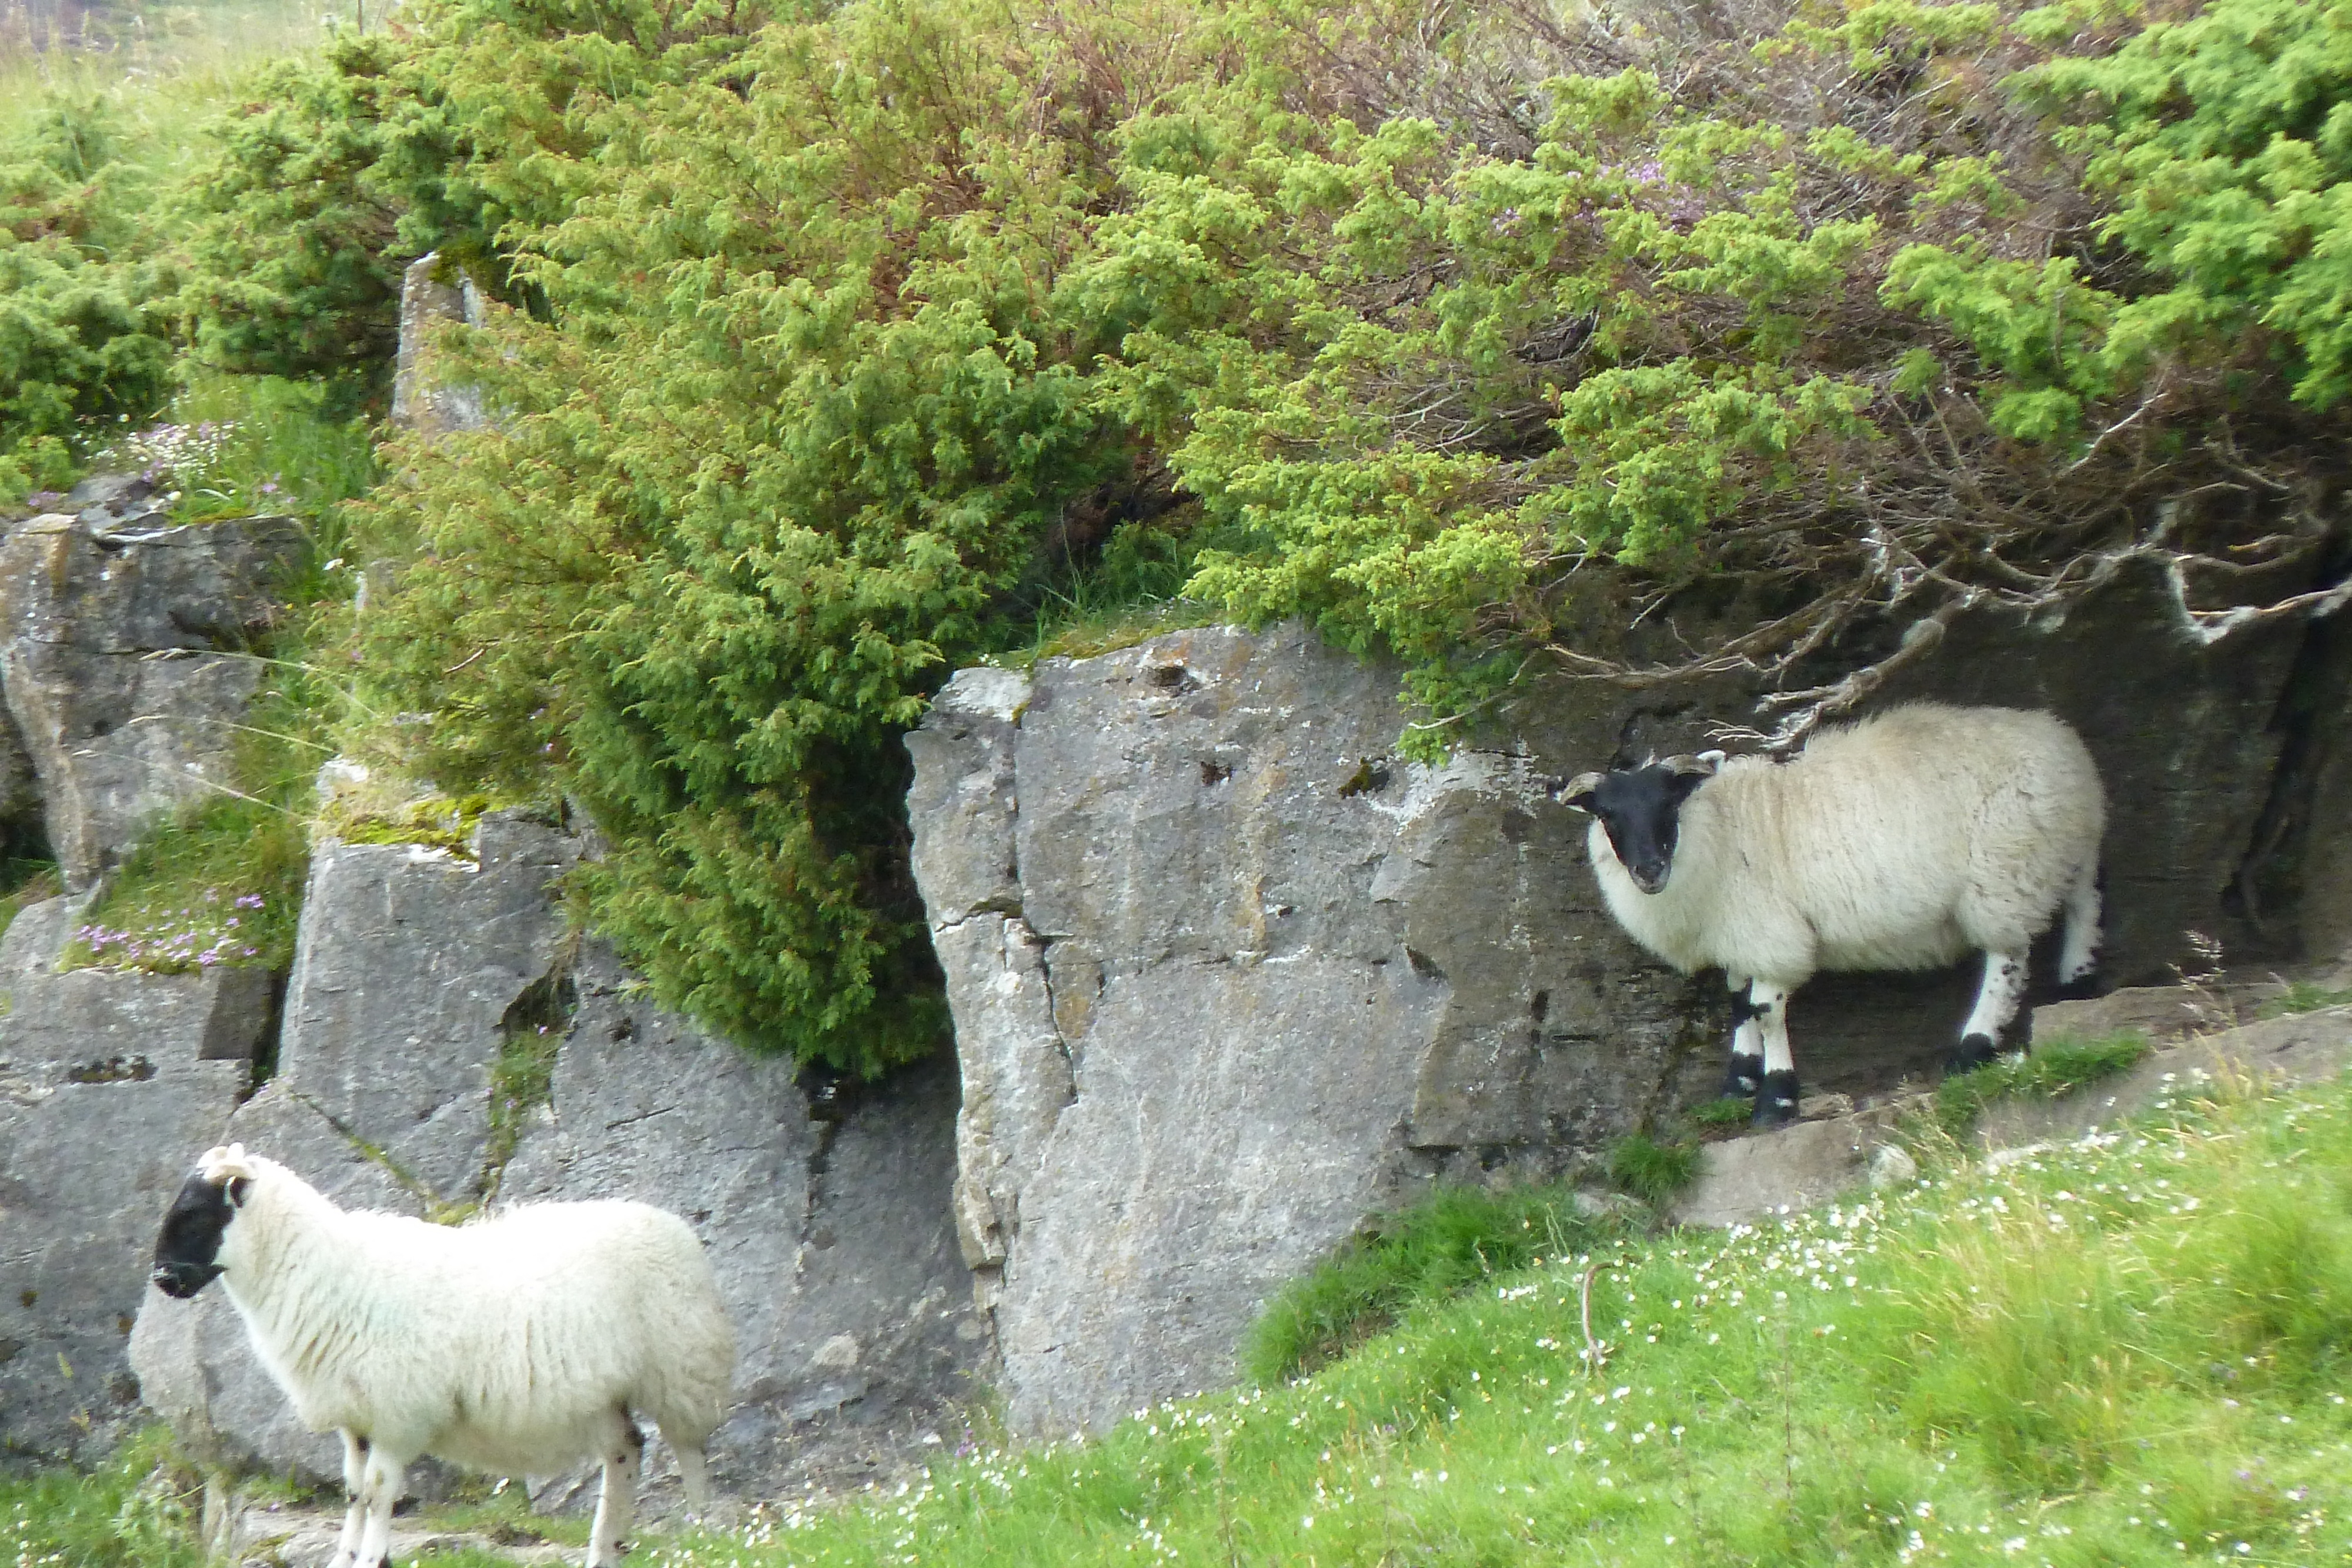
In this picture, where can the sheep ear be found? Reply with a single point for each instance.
(1578, 791)
(225, 1163)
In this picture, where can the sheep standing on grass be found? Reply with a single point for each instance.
(519, 1344)
(1899, 842)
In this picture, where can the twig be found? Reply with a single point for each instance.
(1592, 1348)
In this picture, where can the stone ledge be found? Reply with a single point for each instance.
(1750, 1178)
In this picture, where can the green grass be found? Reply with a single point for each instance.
(296, 448)
(500, 1510)
(1651, 1170)
(2126, 1352)
(137, 1510)
(1132, 594)
(2303, 996)
(1732, 1111)
(169, 71)
(2129, 1352)
(1459, 1236)
(2045, 1072)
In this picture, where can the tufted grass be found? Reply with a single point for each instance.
(1651, 1169)
(2303, 996)
(136, 1511)
(1458, 1236)
(2053, 1068)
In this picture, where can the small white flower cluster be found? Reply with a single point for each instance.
(182, 454)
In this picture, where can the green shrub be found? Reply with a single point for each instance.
(814, 385)
(82, 349)
(729, 586)
(294, 270)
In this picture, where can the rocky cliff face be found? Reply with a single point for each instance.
(107, 1082)
(125, 656)
(1227, 976)
(383, 1068)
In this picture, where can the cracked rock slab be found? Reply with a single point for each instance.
(1746, 1179)
(124, 653)
(828, 1227)
(407, 962)
(108, 1079)
(1227, 977)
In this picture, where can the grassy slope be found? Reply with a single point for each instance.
(2126, 1353)
(2129, 1352)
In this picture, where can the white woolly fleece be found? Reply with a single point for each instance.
(508, 1345)
(1902, 842)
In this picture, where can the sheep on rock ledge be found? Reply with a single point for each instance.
(1902, 842)
(519, 1345)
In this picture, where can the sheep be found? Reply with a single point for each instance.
(518, 1345)
(1901, 842)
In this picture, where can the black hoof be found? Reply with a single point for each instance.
(1775, 1101)
(2077, 990)
(1973, 1052)
(1746, 1077)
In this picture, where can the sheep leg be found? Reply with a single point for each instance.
(694, 1474)
(1997, 999)
(617, 1499)
(1776, 1098)
(355, 1453)
(1745, 1077)
(381, 1477)
(2078, 954)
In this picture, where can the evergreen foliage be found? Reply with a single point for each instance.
(835, 340)
(294, 268)
(82, 349)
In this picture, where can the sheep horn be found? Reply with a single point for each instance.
(1703, 764)
(1577, 790)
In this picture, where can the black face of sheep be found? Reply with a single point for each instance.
(191, 1239)
(1641, 808)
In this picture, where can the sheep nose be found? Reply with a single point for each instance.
(182, 1281)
